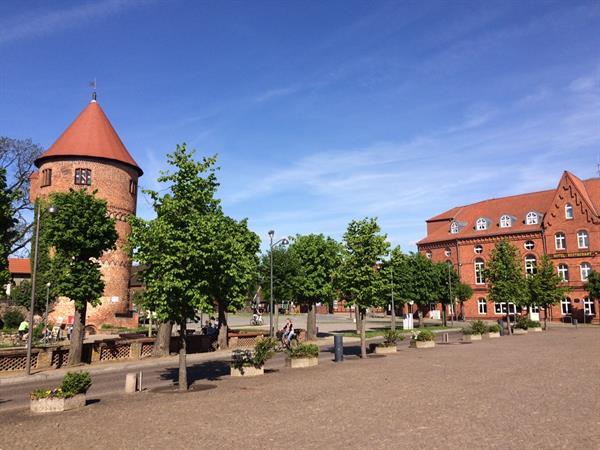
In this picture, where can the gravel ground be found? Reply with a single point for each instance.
(535, 391)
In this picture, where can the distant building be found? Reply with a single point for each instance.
(20, 270)
(90, 155)
(563, 223)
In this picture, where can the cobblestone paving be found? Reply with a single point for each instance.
(534, 391)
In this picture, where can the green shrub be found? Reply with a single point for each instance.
(467, 331)
(494, 328)
(391, 338)
(263, 350)
(533, 324)
(425, 335)
(304, 350)
(522, 323)
(13, 318)
(478, 327)
(38, 331)
(76, 383)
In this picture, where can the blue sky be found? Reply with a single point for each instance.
(321, 112)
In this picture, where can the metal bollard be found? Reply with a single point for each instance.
(338, 345)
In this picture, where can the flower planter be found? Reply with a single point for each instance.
(519, 331)
(385, 350)
(493, 334)
(471, 337)
(536, 329)
(297, 363)
(56, 404)
(249, 371)
(422, 344)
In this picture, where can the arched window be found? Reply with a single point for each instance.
(482, 306)
(531, 218)
(478, 249)
(584, 270)
(583, 239)
(565, 306)
(479, 265)
(530, 264)
(563, 272)
(560, 242)
(505, 221)
(481, 224)
(453, 228)
(529, 245)
(568, 211)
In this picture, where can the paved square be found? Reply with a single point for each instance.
(534, 391)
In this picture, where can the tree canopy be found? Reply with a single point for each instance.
(7, 227)
(593, 285)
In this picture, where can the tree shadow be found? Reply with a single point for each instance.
(208, 370)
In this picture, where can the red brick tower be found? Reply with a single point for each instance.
(90, 155)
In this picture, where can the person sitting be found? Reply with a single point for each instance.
(288, 331)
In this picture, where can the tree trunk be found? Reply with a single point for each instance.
(363, 333)
(276, 319)
(76, 347)
(358, 319)
(183, 382)
(223, 328)
(444, 319)
(545, 317)
(420, 316)
(311, 322)
(393, 324)
(163, 339)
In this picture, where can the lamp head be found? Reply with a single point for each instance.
(284, 242)
(271, 233)
(52, 209)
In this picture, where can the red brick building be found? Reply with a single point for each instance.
(90, 155)
(563, 223)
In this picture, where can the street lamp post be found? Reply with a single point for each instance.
(272, 244)
(393, 306)
(51, 210)
(47, 298)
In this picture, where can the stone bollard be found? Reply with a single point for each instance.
(445, 338)
(130, 383)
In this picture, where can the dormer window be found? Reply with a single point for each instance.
(568, 211)
(505, 221)
(481, 224)
(83, 177)
(531, 218)
(453, 228)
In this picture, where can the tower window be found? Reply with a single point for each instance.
(568, 211)
(46, 177)
(83, 177)
(132, 187)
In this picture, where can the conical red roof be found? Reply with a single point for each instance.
(91, 135)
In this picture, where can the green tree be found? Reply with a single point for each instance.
(593, 285)
(358, 276)
(447, 284)
(7, 227)
(286, 270)
(504, 276)
(396, 273)
(462, 292)
(80, 232)
(545, 287)
(318, 257)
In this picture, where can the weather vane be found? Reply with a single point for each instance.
(93, 86)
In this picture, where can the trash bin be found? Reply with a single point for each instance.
(501, 325)
(338, 346)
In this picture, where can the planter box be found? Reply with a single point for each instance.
(422, 344)
(471, 337)
(382, 350)
(249, 371)
(493, 335)
(519, 331)
(536, 329)
(297, 363)
(45, 405)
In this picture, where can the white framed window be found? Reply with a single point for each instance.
(530, 264)
(481, 224)
(482, 306)
(447, 252)
(583, 239)
(568, 211)
(529, 245)
(500, 308)
(534, 309)
(479, 265)
(560, 242)
(563, 272)
(584, 270)
(565, 306)
(589, 309)
(428, 254)
(478, 249)
(531, 218)
(505, 221)
(453, 228)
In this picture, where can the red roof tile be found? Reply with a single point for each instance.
(91, 134)
(19, 265)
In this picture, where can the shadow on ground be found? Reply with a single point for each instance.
(208, 370)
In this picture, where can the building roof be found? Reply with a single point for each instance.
(19, 266)
(516, 206)
(91, 135)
